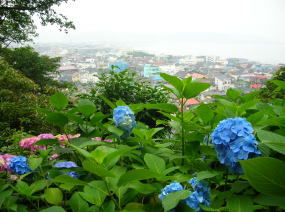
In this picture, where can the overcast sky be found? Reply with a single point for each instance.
(242, 28)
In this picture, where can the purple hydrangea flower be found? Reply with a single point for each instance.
(19, 165)
(200, 194)
(67, 164)
(234, 140)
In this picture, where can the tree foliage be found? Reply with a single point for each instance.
(19, 98)
(33, 65)
(130, 88)
(16, 19)
(270, 91)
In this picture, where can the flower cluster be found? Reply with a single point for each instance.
(124, 118)
(67, 137)
(19, 165)
(5, 161)
(234, 140)
(29, 143)
(200, 194)
(172, 187)
(68, 165)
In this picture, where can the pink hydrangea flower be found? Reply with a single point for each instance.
(67, 137)
(96, 139)
(46, 136)
(54, 156)
(29, 143)
(4, 161)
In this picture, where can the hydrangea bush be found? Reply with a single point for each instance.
(224, 156)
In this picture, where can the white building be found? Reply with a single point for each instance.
(222, 83)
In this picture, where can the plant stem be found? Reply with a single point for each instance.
(182, 130)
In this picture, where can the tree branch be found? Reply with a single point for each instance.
(18, 8)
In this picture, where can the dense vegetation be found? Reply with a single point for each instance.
(224, 156)
(104, 151)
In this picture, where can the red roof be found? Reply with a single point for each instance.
(261, 76)
(256, 85)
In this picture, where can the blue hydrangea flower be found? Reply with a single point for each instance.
(68, 164)
(124, 118)
(19, 165)
(200, 194)
(72, 174)
(172, 187)
(234, 140)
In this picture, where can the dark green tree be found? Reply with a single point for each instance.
(19, 98)
(270, 92)
(16, 19)
(36, 67)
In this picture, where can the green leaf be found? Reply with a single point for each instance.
(23, 188)
(143, 187)
(206, 174)
(240, 204)
(108, 102)
(83, 152)
(4, 195)
(272, 140)
(171, 108)
(68, 180)
(233, 93)
(174, 81)
(137, 174)
(120, 103)
(114, 130)
(87, 110)
(98, 170)
(35, 162)
(172, 199)
(205, 113)
(101, 152)
(267, 200)
(53, 209)
(57, 119)
(113, 157)
(58, 101)
(53, 196)
(154, 163)
(193, 89)
(47, 142)
(38, 185)
(95, 192)
(77, 204)
(266, 175)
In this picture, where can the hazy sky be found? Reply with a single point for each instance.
(242, 28)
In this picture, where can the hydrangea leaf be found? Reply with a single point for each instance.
(272, 140)
(193, 89)
(240, 204)
(77, 204)
(174, 81)
(58, 101)
(53, 209)
(53, 196)
(266, 175)
(154, 163)
(172, 199)
(137, 174)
